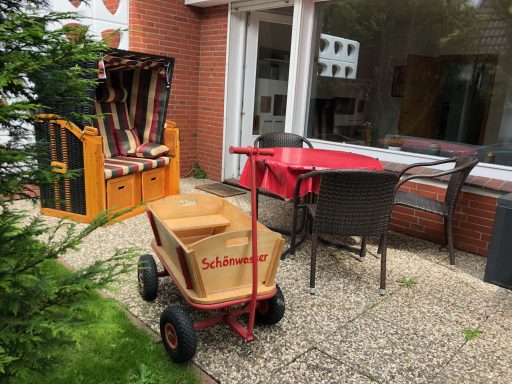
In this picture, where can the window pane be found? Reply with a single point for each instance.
(431, 76)
(274, 41)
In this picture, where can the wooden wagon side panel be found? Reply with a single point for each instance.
(239, 220)
(184, 206)
(270, 278)
(169, 255)
(225, 262)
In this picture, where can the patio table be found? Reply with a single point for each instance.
(278, 173)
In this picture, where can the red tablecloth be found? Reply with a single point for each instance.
(279, 173)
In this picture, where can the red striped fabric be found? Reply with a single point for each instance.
(121, 166)
(148, 104)
(150, 151)
(106, 129)
(142, 109)
(115, 118)
(127, 141)
(106, 93)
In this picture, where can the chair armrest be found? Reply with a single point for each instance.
(433, 175)
(444, 161)
(171, 138)
(308, 143)
(94, 163)
(298, 184)
(296, 201)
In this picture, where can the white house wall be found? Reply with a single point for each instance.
(97, 16)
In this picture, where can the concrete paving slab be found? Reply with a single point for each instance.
(388, 352)
(315, 367)
(437, 304)
(485, 359)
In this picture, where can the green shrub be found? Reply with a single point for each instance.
(199, 173)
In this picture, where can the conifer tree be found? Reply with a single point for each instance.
(39, 311)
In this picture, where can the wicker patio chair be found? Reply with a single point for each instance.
(275, 140)
(462, 168)
(349, 203)
(281, 139)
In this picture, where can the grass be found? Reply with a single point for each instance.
(406, 282)
(115, 351)
(471, 333)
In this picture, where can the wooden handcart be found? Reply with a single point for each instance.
(220, 259)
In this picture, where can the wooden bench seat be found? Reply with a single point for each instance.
(197, 222)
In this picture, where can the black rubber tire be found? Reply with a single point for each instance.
(274, 309)
(147, 276)
(179, 339)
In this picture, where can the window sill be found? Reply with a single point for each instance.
(492, 177)
(494, 185)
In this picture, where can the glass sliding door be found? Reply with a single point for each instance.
(269, 36)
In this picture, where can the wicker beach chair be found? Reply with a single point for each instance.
(129, 156)
(349, 203)
(462, 168)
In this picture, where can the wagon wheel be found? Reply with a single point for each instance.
(147, 276)
(178, 334)
(271, 311)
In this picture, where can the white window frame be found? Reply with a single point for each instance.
(297, 101)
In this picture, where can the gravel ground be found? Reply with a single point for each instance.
(347, 332)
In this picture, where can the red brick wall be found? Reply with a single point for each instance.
(212, 69)
(170, 28)
(472, 222)
(197, 38)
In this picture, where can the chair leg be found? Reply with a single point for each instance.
(312, 272)
(379, 250)
(362, 252)
(384, 243)
(449, 237)
(294, 225)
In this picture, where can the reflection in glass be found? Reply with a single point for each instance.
(271, 77)
(431, 71)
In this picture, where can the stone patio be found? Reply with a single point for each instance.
(347, 332)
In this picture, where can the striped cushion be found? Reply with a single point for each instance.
(121, 166)
(147, 105)
(115, 117)
(149, 151)
(128, 141)
(106, 93)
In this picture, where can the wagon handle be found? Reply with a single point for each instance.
(252, 152)
(237, 242)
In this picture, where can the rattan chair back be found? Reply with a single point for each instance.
(458, 174)
(461, 170)
(349, 203)
(281, 139)
(354, 202)
(276, 140)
